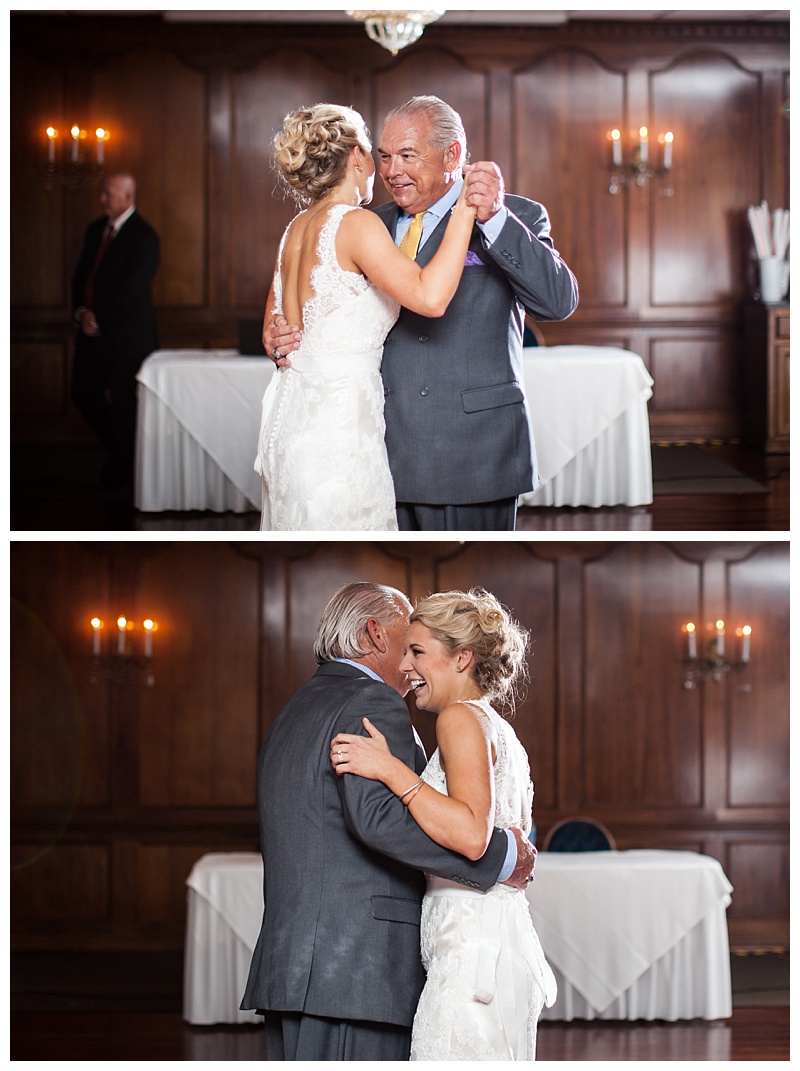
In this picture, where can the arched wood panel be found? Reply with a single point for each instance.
(563, 106)
(713, 179)
(155, 107)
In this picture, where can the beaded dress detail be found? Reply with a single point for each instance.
(321, 451)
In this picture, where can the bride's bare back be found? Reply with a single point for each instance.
(300, 257)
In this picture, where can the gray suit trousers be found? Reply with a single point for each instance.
(295, 1036)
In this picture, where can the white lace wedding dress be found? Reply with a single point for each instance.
(487, 976)
(321, 451)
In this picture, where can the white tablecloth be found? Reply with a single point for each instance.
(630, 935)
(200, 412)
(634, 935)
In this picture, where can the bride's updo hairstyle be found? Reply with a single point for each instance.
(312, 149)
(476, 619)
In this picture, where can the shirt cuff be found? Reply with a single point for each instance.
(492, 227)
(511, 858)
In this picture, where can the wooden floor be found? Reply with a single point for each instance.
(58, 495)
(124, 1010)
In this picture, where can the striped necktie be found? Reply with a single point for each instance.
(410, 243)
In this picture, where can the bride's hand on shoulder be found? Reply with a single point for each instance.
(367, 756)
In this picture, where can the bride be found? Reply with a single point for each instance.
(487, 978)
(339, 275)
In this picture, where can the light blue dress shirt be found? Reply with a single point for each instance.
(434, 215)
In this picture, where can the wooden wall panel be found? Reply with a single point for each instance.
(156, 107)
(711, 175)
(695, 385)
(759, 761)
(207, 645)
(635, 598)
(284, 82)
(37, 233)
(563, 107)
(167, 773)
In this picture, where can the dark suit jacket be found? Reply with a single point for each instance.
(342, 861)
(123, 287)
(457, 427)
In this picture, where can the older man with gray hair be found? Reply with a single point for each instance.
(336, 970)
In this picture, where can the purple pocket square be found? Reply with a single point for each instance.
(472, 258)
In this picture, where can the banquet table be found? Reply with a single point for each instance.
(200, 413)
(629, 935)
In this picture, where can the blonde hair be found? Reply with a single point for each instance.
(475, 619)
(312, 149)
(342, 629)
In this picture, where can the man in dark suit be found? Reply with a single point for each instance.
(457, 425)
(112, 303)
(337, 968)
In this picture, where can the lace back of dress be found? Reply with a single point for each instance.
(512, 784)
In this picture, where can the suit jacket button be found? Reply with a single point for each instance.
(424, 392)
(422, 338)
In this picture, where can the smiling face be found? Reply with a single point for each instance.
(437, 676)
(415, 173)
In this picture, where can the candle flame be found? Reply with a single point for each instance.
(51, 132)
(148, 625)
(101, 134)
(690, 627)
(75, 131)
(642, 131)
(668, 136)
(746, 630)
(720, 625)
(122, 622)
(96, 623)
(614, 134)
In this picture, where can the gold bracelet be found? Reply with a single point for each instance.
(417, 785)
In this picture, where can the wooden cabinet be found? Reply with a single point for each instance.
(766, 377)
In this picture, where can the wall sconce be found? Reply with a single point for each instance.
(394, 30)
(711, 662)
(639, 168)
(120, 661)
(73, 164)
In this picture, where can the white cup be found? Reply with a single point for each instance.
(774, 279)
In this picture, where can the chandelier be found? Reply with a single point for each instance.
(395, 29)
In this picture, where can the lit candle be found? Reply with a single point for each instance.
(691, 633)
(97, 625)
(616, 147)
(668, 150)
(122, 624)
(52, 134)
(76, 133)
(720, 627)
(643, 144)
(746, 630)
(148, 626)
(101, 135)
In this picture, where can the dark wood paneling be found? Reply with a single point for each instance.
(207, 644)
(192, 109)
(118, 788)
(697, 251)
(635, 598)
(156, 108)
(563, 107)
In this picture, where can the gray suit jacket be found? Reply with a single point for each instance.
(342, 861)
(457, 428)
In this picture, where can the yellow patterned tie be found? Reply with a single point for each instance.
(410, 242)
